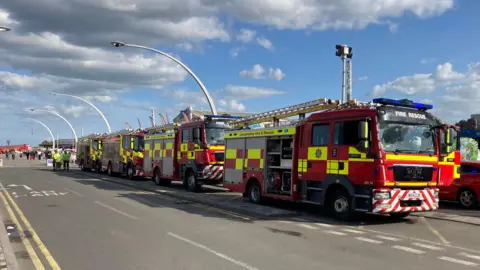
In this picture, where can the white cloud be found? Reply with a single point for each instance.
(185, 46)
(236, 51)
(363, 78)
(276, 74)
(454, 94)
(258, 71)
(247, 92)
(246, 35)
(265, 43)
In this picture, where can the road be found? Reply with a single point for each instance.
(74, 220)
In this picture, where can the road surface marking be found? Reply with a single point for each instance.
(25, 186)
(28, 246)
(434, 231)
(353, 231)
(50, 182)
(388, 238)
(116, 210)
(285, 221)
(300, 220)
(476, 257)
(74, 192)
(335, 232)
(221, 255)
(368, 240)
(233, 214)
(43, 249)
(428, 246)
(449, 259)
(306, 226)
(411, 250)
(324, 225)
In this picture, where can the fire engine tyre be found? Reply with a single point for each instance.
(192, 183)
(255, 192)
(340, 205)
(82, 166)
(98, 168)
(467, 198)
(160, 181)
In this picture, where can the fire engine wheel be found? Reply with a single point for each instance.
(192, 182)
(98, 168)
(255, 192)
(467, 198)
(340, 205)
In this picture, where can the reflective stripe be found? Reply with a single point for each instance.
(260, 133)
(411, 158)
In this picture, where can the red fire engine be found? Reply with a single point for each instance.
(378, 157)
(192, 153)
(90, 152)
(449, 158)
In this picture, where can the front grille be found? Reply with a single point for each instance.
(219, 156)
(412, 173)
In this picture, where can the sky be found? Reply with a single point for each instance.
(252, 56)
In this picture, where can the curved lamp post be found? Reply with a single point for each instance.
(4, 29)
(64, 119)
(45, 126)
(204, 89)
(89, 103)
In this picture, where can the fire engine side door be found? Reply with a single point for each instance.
(313, 150)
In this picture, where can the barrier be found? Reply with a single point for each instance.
(49, 162)
(1, 162)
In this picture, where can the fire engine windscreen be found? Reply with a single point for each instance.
(138, 143)
(215, 132)
(404, 130)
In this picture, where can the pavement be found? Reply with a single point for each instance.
(78, 220)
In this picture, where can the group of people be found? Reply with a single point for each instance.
(33, 154)
(59, 158)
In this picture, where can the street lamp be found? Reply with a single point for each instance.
(64, 119)
(4, 29)
(204, 89)
(89, 103)
(45, 126)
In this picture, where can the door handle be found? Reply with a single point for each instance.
(309, 164)
(341, 166)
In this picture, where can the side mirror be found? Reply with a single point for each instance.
(363, 145)
(196, 134)
(363, 130)
(449, 137)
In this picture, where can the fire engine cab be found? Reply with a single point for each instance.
(353, 157)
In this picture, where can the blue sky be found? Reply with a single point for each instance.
(390, 50)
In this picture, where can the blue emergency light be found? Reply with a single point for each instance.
(403, 103)
(221, 116)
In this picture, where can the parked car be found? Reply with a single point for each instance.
(466, 189)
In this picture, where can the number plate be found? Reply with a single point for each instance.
(414, 195)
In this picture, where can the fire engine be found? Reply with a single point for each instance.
(449, 155)
(122, 153)
(353, 157)
(192, 153)
(90, 152)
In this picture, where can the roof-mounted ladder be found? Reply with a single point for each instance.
(162, 128)
(275, 115)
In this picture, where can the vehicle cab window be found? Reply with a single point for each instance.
(346, 133)
(186, 135)
(469, 169)
(320, 135)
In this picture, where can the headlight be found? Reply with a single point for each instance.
(382, 195)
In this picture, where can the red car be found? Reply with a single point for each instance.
(465, 190)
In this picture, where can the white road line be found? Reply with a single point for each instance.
(300, 220)
(285, 221)
(50, 182)
(307, 226)
(74, 192)
(324, 225)
(428, 246)
(335, 232)
(411, 250)
(388, 238)
(116, 210)
(216, 253)
(434, 231)
(368, 240)
(476, 257)
(353, 231)
(449, 259)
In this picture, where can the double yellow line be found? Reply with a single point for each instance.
(8, 202)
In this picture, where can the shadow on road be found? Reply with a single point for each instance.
(214, 198)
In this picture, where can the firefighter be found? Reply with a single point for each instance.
(66, 160)
(57, 158)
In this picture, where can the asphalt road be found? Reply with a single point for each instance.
(77, 221)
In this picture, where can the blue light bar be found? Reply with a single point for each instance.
(222, 116)
(403, 103)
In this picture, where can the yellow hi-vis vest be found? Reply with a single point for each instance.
(57, 157)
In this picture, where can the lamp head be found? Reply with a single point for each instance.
(4, 29)
(117, 44)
